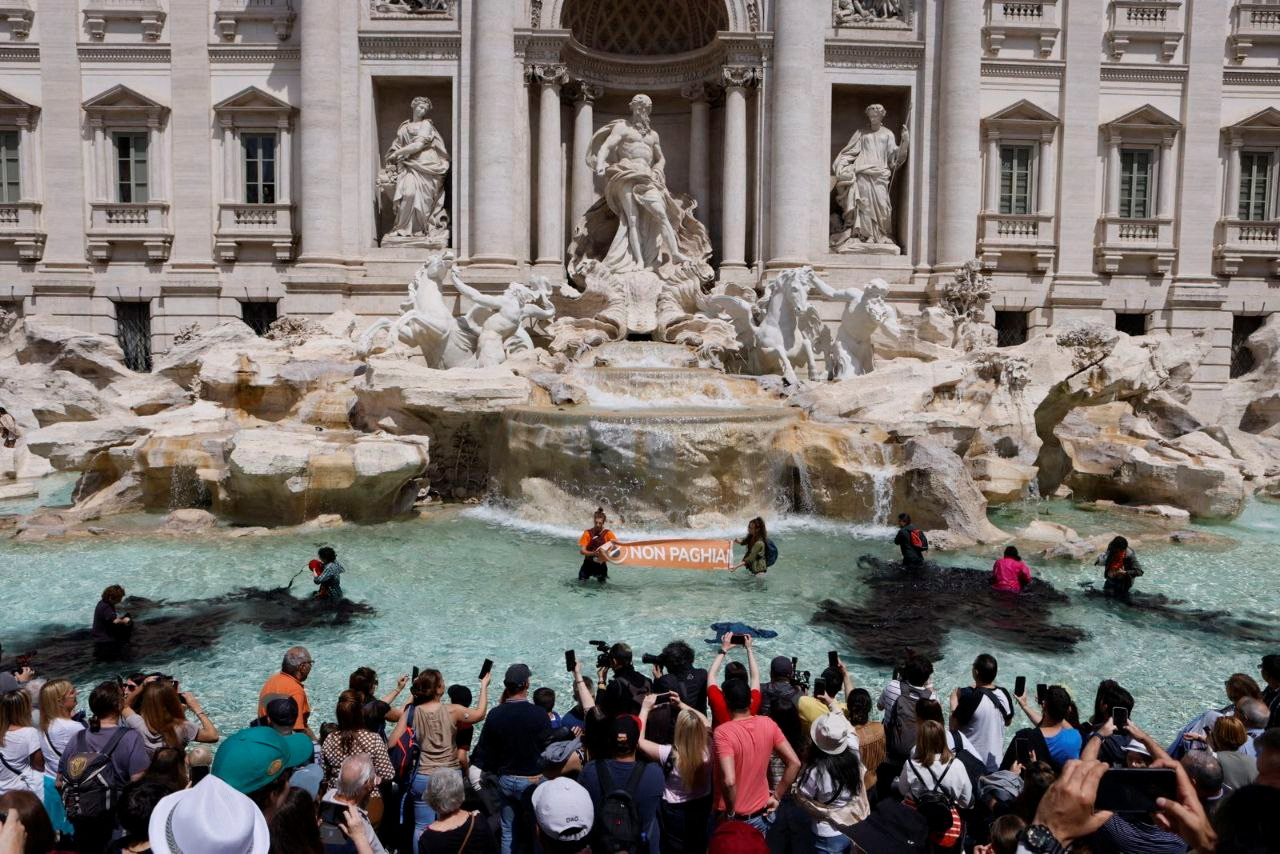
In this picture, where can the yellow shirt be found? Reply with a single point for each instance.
(811, 708)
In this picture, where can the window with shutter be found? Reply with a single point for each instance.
(10, 186)
(1255, 180)
(259, 168)
(1015, 179)
(132, 179)
(1135, 183)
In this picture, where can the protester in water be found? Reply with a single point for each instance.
(1119, 568)
(1009, 573)
(111, 629)
(328, 578)
(590, 544)
(912, 541)
(756, 540)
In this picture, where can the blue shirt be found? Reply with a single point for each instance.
(1064, 746)
(647, 793)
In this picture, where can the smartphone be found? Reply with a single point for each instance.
(1135, 790)
(1019, 686)
(331, 832)
(570, 660)
(1120, 716)
(416, 671)
(738, 640)
(673, 698)
(1022, 750)
(485, 668)
(1042, 691)
(795, 663)
(833, 659)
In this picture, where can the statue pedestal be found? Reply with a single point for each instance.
(416, 241)
(844, 243)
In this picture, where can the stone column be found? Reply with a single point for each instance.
(583, 190)
(321, 118)
(229, 161)
(699, 144)
(992, 201)
(26, 156)
(63, 213)
(1077, 200)
(1232, 206)
(493, 111)
(284, 163)
(1047, 175)
(1112, 176)
(733, 229)
(959, 111)
(798, 143)
(549, 79)
(1199, 178)
(190, 187)
(1167, 167)
(101, 161)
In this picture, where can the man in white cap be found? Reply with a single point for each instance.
(565, 815)
(209, 818)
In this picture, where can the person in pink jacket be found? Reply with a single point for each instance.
(1009, 572)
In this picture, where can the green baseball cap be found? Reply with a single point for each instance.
(256, 756)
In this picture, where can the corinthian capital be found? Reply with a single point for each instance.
(550, 74)
(740, 76)
(581, 90)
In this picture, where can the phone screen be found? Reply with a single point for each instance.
(570, 660)
(1019, 686)
(1121, 718)
(1134, 790)
(738, 640)
(1022, 749)
(1041, 690)
(416, 671)
(833, 659)
(485, 668)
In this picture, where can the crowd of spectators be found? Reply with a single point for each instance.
(663, 758)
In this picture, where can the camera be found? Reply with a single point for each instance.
(603, 659)
(650, 658)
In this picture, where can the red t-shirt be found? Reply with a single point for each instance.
(750, 742)
(1010, 575)
(720, 709)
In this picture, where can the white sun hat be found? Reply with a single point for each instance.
(209, 818)
(832, 733)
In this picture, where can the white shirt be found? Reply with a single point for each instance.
(955, 782)
(986, 729)
(54, 743)
(19, 744)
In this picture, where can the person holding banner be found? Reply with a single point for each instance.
(591, 544)
(754, 560)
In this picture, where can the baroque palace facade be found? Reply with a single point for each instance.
(164, 162)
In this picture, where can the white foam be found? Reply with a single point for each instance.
(613, 400)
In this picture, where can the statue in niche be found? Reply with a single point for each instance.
(864, 171)
(638, 224)
(850, 13)
(865, 312)
(413, 173)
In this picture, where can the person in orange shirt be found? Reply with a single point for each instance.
(590, 544)
(294, 670)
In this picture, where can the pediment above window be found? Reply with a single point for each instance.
(253, 107)
(122, 105)
(15, 111)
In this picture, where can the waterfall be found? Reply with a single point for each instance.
(186, 489)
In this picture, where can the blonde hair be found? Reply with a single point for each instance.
(690, 748)
(15, 711)
(931, 743)
(52, 696)
(1228, 734)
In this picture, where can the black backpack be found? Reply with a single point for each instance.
(92, 786)
(902, 727)
(620, 829)
(936, 803)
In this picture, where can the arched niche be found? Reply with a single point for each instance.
(742, 16)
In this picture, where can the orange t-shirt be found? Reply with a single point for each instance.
(283, 685)
(605, 537)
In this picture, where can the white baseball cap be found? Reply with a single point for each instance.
(832, 733)
(209, 818)
(564, 809)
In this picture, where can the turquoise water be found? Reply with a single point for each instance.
(460, 586)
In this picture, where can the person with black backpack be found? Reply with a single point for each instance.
(912, 541)
(626, 792)
(936, 783)
(96, 765)
(983, 712)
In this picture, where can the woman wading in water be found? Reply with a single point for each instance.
(755, 560)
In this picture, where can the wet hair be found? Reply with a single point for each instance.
(1111, 695)
(1057, 705)
(545, 699)
(677, 656)
(327, 554)
(737, 695)
(1005, 833)
(168, 768)
(137, 802)
(294, 827)
(931, 743)
(428, 686)
(917, 669)
(350, 716)
(1249, 821)
(1270, 666)
(362, 680)
(735, 670)
(859, 706)
(113, 595)
(15, 711)
(985, 667)
(105, 701)
(1228, 734)
(1116, 549)
(1012, 551)
(1241, 685)
(26, 808)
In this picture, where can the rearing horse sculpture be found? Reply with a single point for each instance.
(427, 323)
(789, 333)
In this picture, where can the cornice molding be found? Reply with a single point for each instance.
(124, 54)
(236, 55)
(421, 46)
(854, 54)
(1251, 77)
(1038, 69)
(11, 53)
(1144, 73)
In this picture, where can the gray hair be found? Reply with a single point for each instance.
(1205, 771)
(356, 777)
(877, 109)
(294, 658)
(444, 792)
(1254, 714)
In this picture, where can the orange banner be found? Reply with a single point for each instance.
(674, 554)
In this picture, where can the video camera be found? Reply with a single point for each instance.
(802, 679)
(603, 659)
(659, 659)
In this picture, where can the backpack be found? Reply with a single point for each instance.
(92, 784)
(404, 752)
(938, 808)
(919, 540)
(770, 553)
(901, 728)
(619, 824)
